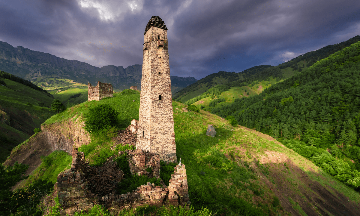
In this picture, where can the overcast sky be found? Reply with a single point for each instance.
(205, 36)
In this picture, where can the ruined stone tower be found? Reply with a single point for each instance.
(156, 124)
(100, 91)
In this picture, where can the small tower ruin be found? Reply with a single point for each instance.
(134, 88)
(100, 91)
(155, 132)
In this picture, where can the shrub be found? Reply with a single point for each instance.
(275, 202)
(100, 117)
(166, 169)
(37, 130)
(130, 184)
(57, 106)
(193, 108)
(2, 82)
(232, 120)
(47, 161)
(123, 164)
(215, 102)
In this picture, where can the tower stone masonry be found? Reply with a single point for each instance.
(156, 122)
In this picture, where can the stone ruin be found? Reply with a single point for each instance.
(134, 88)
(100, 91)
(84, 186)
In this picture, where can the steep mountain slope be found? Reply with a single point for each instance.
(225, 81)
(319, 107)
(23, 107)
(41, 69)
(239, 171)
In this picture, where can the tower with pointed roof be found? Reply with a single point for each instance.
(156, 122)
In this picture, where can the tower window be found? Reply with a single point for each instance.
(158, 36)
(159, 73)
(159, 97)
(143, 133)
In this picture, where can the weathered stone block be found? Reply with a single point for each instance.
(211, 131)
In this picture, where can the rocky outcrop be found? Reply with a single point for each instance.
(58, 136)
(211, 131)
(66, 135)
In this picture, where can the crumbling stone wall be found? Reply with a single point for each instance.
(100, 91)
(83, 186)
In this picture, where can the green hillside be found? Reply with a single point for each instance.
(23, 107)
(319, 107)
(233, 173)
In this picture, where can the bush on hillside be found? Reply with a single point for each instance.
(232, 120)
(57, 106)
(131, 182)
(100, 117)
(193, 108)
(215, 102)
(166, 169)
(2, 82)
(37, 130)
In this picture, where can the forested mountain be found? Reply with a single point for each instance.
(319, 107)
(216, 83)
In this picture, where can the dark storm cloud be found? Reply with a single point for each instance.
(204, 36)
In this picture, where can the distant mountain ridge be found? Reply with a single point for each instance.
(34, 66)
(259, 73)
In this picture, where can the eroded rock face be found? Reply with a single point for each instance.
(66, 135)
(82, 186)
(58, 136)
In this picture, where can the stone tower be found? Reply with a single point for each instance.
(156, 122)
